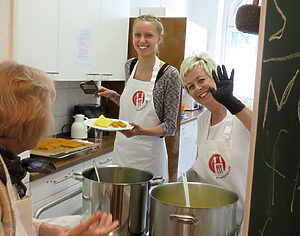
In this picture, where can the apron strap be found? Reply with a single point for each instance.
(162, 71)
(154, 74)
(132, 64)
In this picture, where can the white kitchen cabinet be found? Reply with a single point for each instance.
(187, 146)
(114, 27)
(73, 39)
(49, 188)
(35, 33)
(52, 187)
(79, 39)
(103, 160)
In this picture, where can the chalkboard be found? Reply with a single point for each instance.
(275, 192)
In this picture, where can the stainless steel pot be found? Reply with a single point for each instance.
(212, 211)
(123, 192)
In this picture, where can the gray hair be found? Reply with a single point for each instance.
(203, 60)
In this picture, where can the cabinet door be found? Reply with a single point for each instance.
(35, 33)
(114, 39)
(78, 39)
(187, 146)
(102, 160)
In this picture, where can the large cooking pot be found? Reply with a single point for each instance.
(212, 211)
(122, 191)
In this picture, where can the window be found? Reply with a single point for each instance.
(240, 53)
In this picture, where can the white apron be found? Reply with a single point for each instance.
(136, 105)
(216, 165)
(22, 208)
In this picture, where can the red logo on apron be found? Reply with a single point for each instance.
(217, 164)
(138, 98)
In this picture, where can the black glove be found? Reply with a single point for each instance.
(223, 94)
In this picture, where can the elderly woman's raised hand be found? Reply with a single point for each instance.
(96, 225)
(224, 92)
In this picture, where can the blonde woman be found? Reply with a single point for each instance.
(150, 101)
(223, 134)
(26, 96)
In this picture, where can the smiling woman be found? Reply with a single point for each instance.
(198, 76)
(29, 94)
(150, 102)
(223, 136)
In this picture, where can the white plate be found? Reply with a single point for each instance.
(90, 122)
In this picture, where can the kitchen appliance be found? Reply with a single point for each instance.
(91, 110)
(78, 128)
(123, 192)
(212, 211)
(187, 99)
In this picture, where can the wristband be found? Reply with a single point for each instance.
(113, 96)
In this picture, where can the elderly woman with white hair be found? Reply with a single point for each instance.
(26, 96)
(223, 135)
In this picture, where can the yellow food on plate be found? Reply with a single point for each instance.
(52, 143)
(102, 121)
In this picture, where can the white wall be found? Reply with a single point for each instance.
(68, 94)
(207, 14)
(174, 8)
(4, 29)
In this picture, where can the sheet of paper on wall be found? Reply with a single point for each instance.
(84, 45)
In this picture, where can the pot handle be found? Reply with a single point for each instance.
(157, 180)
(88, 199)
(184, 218)
(78, 176)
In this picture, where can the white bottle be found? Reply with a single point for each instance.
(78, 128)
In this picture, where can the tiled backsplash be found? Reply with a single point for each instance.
(68, 94)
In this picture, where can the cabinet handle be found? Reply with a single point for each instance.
(57, 201)
(52, 73)
(92, 74)
(107, 74)
(104, 162)
(57, 181)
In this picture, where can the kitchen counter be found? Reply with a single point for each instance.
(191, 115)
(63, 163)
(107, 146)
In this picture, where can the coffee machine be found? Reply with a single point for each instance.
(91, 110)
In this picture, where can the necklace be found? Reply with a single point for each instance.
(144, 72)
(144, 75)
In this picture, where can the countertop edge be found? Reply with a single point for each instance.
(72, 160)
(191, 115)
